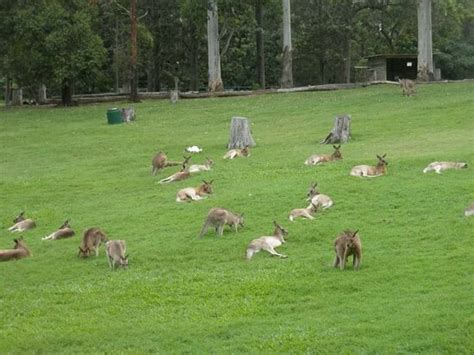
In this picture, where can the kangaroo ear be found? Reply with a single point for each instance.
(204, 181)
(355, 233)
(378, 157)
(384, 155)
(210, 182)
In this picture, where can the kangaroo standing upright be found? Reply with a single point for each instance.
(346, 244)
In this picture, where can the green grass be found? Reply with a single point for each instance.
(413, 294)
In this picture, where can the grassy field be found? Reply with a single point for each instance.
(413, 293)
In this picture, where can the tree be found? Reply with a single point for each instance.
(287, 69)
(214, 57)
(425, 44)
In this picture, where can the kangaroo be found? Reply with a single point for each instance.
(371, 171)
(206, 167)
(317, 158)
(346, 244)
(19, 251)
(438, 166)
(91, 241)
(195, 193)
(22, 224)
(234, 153)
(268, 243)
(316, 198)
(65, 231)
(304, 212)
(115, 250)
(408, 87)
(218, 217)
(180, 175)
(469, 211)
(160, 161)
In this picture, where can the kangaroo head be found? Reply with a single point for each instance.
(463, 165)
(312, 190)
(240, 220)
(209, 162)
(83, 252)
(186, 160)
(245, 151)
(337, 153)
(382, 160)
(124, 260)
(279, 230)
(65, 224)
(351, 238)
(19, 243)
(20, 217)
(207, 186)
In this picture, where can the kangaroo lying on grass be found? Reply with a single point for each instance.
(197, 168)
(115, 250)
(346, 244)
(180, 175)
(218, 218)
(438, 166)
(371, 171)
(316, 198)
(318, 158)
(408, 87)
(19, 251)
(469, 211)
(65, 231)
(160, 161)
(234, 153)
(304, 212)
(195, 193)
(268, 243)
(22, 224)
(91, 241)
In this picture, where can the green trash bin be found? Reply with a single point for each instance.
(114, 115)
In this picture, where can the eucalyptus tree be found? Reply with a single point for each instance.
(214, 56)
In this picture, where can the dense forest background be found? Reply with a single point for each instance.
(86, 43)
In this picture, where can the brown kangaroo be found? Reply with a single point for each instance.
(195, 193)
(22, 224)
(371, 171)
(319, 158)
(65, 231)
(19, 251)
(346, 244)
(218, 217)
(91, 241)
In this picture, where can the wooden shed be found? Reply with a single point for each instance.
(391, 67)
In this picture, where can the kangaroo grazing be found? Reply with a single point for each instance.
(180, 175)
(19, 251)
(318, 158)
(316, 198)
(22, 224)
(408, 87)
(63, 232)
(371, 171)
(469, 211)
(195, 193)
(91, 241)
(304, 212)
(218, 218)
(438, 166)
(160, 161)
(346, 244)
(234, 153)
(268, 243)
(115, 250)
(197, 168)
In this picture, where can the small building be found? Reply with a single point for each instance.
(389, 67)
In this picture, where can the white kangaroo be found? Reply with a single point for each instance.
(195, 193)
(22, 224)
(195, 168)
(319, 158)
(234, 153)
(324, 201)
(303, 212)
(438, 166)
(371, 171)
(65, 231)
(268, 243)
(115, 250)
(469, 211)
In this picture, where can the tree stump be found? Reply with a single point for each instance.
(240, 134)
(341, 131)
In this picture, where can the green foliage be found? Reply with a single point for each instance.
(182, 294)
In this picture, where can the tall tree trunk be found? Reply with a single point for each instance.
(42, 97)
(287, 70)
(260, 47)
(214, 57)
(66, 93)
(425, 43)
(133, 58)
(347, 61)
